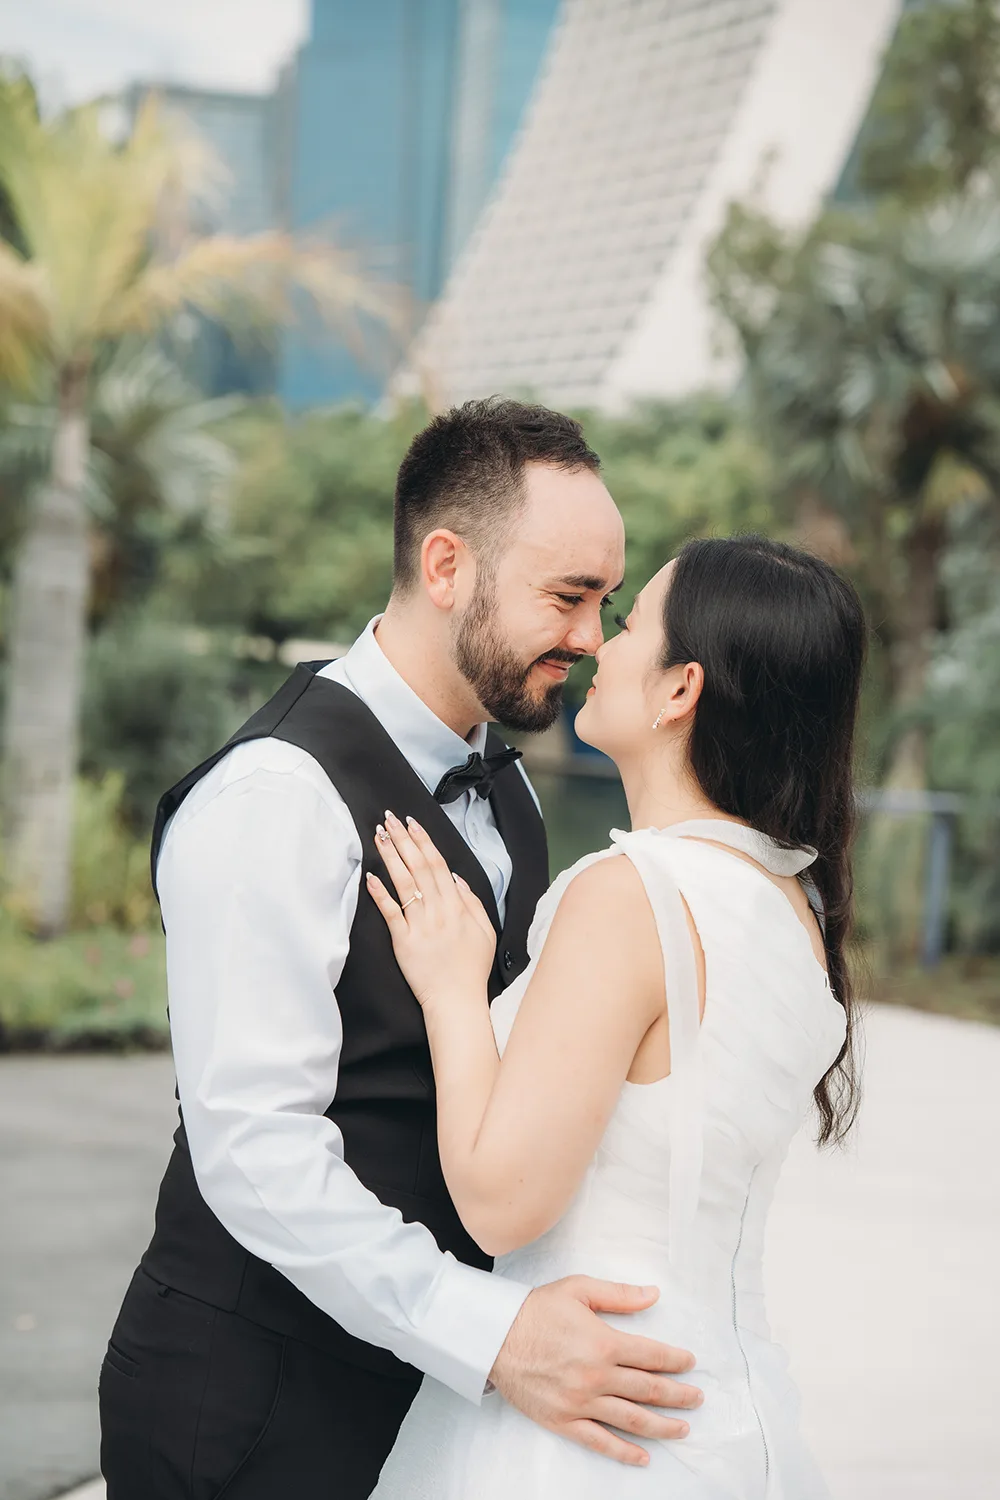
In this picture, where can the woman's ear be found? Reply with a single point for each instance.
(687, 689)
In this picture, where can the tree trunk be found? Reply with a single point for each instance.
(820, 530)
(45, 669)
(913, 630)
(895, 849)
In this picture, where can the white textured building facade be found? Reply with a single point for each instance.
(584, 280)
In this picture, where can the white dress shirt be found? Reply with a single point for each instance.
(258, 879)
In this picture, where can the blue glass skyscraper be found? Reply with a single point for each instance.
(398, 115)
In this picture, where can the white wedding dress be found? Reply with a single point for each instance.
(677, 1196)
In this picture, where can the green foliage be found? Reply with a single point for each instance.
(965, 678)
(157, 461)
(873, 376)
(873, 362)
(102, 987)
(156, 464)
(153, 708)
(308, 548)
(966, 986)
(964, 711)
(934, 118)
(682, 471)
(872, 343)
(110, 871)
(110, 883)
(103, 983)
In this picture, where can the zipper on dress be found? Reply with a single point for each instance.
(736, 1331)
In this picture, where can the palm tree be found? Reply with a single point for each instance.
(873, 363)
(156, 456)
(103, 251)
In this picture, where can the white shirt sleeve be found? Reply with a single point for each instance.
(258, 881)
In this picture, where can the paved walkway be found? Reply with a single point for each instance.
(83, 1142)
(882, 1262)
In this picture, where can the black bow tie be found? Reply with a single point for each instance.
(477, 775)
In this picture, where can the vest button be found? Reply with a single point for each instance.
(508, 959)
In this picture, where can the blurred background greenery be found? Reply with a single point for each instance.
(216, 533)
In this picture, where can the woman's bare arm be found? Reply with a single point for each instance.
(515, 1138)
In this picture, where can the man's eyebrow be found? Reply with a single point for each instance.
(585, 581)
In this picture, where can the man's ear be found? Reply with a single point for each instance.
(441, 556)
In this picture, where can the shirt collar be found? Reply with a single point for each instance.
(430, 746)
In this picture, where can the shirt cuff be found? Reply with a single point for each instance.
(464, 1327)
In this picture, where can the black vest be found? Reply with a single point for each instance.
(385, 1090)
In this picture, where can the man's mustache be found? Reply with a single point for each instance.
(570, 657)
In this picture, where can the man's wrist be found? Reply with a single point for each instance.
(470, 1317)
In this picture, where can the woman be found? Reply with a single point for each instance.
(683, 1009)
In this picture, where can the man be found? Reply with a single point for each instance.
(307, 1262)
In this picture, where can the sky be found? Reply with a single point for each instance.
(76, 49)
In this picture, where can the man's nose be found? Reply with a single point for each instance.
(586, 634)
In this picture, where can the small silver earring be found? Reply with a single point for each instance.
(659, 716)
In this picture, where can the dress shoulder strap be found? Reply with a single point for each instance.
(684, 1095)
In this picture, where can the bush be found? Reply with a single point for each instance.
(152, 710)
(307, 549)
(99, 988)
(103, 983)
(111, 882)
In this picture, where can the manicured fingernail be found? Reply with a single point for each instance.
(685, 1429)
(369, 878)
(381, 834)
(390, 817)
(412, 823)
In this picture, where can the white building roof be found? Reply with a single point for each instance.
(583, 282)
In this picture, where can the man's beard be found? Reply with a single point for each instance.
(499, 678)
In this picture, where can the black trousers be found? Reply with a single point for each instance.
(197, 1404)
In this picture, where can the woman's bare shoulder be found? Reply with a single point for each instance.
(606, 903)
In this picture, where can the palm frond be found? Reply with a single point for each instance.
(25, 326)
(26, 455)
(149, 430)
(254, 283)
(148, 419)
(90, 208)
(109, 230)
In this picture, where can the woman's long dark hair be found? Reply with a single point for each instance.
(781, 638)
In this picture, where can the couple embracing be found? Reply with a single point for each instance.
(441, 1119)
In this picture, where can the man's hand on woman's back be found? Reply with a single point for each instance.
(565, 1368)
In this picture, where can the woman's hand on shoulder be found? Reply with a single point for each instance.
(442, 937)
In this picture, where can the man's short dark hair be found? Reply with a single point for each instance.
(465, 471)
